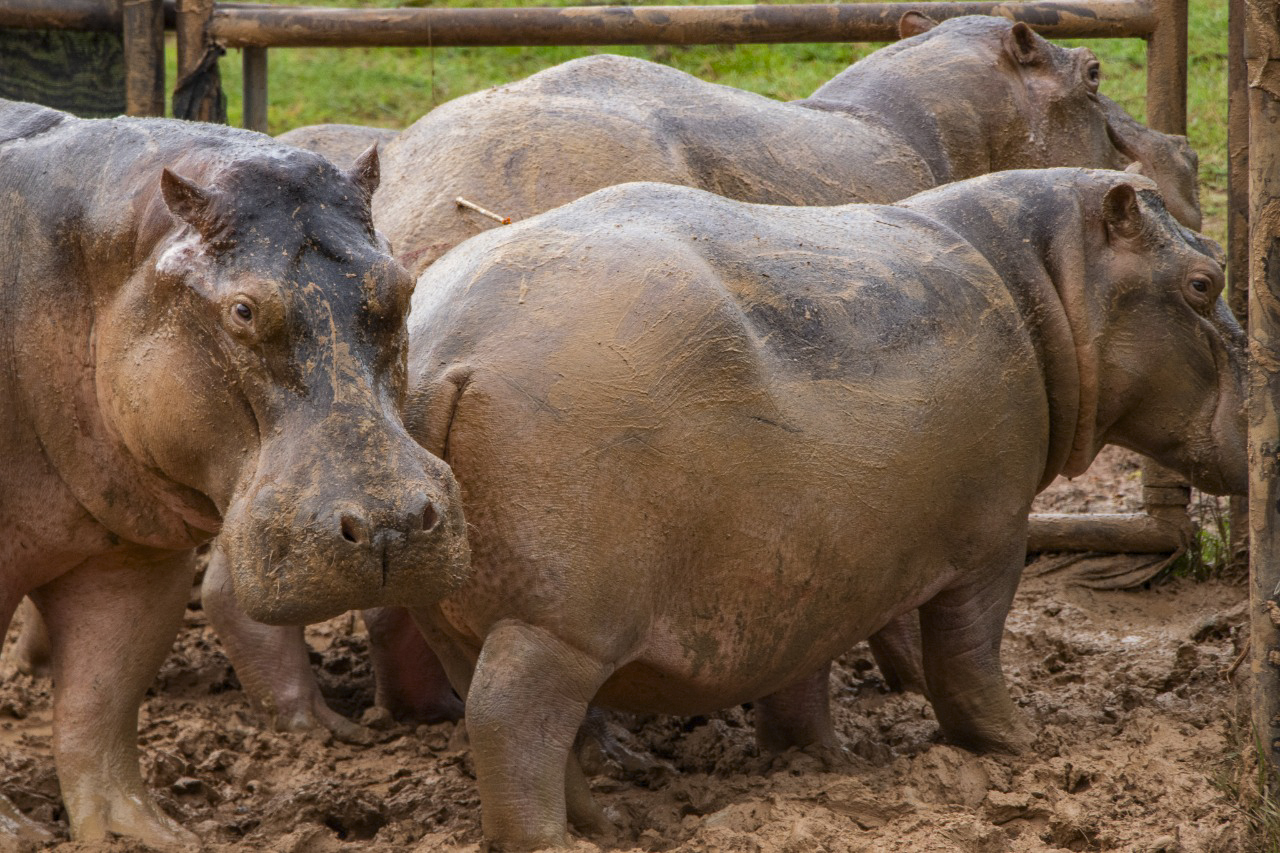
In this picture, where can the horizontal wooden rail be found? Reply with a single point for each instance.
(236, 25)
(1129, 532)
(82, 15)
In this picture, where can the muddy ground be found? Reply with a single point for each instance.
(1127, 691)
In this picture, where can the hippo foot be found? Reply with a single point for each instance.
(446, 708)
(30, 655)
(1011, 738)
(602, 753)
(316, 716)
(16, 826)
(134, 815)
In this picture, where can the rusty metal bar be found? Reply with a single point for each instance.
(236, 25)
(84, 15)
(143, 26)
(1262, 55)
(1238, 222)
(255, 88)
(1167, 68)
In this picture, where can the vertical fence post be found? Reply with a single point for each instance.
(1238, 223)
(1167, 68)
(144, 57)
(1167, 112)
(255, 88)
(198, 93)
(1262, 55)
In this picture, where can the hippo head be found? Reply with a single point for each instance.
(980, 94)
(276, 326)
(1124, 306)
(1170, 355)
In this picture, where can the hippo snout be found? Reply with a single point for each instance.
(304, 548)
(377, 530)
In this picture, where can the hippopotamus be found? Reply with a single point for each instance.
(950, 101)
(341, 144)
(704, 445)
(202, 333)
(965, 97)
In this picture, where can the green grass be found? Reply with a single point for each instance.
(392, 87)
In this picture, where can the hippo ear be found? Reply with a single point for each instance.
(914, 23)
(191, 203)
(1021, 42)
(1121, 213)
(366, 172)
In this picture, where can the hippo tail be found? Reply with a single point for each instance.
(19, 120)
(433, 407)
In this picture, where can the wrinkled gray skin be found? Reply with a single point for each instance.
(972, 95)
(960, 99)
(763, 424)
(200, 331)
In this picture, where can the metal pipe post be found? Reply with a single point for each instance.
(1262, 57)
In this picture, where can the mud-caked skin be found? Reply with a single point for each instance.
(970, 96)
(779, 428)
(951, 101)
(199, 331)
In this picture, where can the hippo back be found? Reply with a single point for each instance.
(340, 144)
(594, 122)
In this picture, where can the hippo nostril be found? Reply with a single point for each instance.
(429, 517)
(354, 529)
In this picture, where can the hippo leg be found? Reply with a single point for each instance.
(961, 628)
(581, 808)
(896, 648)
(13, 823)
(271, 662)
(30, 652)
(527, 698)
(798, 715)
(112, 621)
(411, 681)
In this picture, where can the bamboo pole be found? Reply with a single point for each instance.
(1238, 223)
(284, 26)
(1262, 56)
(142, 22)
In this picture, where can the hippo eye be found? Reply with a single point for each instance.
(243, 312)
(1201, 292)
(1093, 75)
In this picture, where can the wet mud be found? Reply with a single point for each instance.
(1127, 691)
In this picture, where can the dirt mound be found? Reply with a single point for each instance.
(1126, 691)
